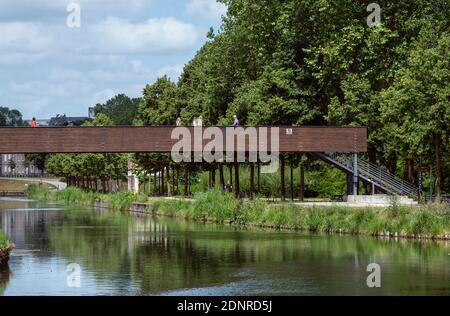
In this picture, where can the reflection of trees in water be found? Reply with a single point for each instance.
(26, 227)
(163, 254)
(158, 254)
(4, 277)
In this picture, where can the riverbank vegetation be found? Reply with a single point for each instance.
(11, 185)
(425, 221)
(4, 240)
(76, 196)
(428, 221)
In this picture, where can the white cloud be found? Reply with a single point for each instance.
(206, 9)
(119, 36)
(102, 96)
(55, 10)
(24, 37)
(171, 71)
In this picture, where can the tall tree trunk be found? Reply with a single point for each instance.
(283, 187)
(209, 178)
(302, 183)
(149, 184)
(155, 182)
(213, 176)
(392, 164)
(292, 179)
(251, 166)
(163, 185)
(178, 181)
(259, 177)
(408, 174)
(439, 172)
(169, 192)
(186, 182)
(230, 169)
(173, 181)
(221, 176)
(161, 182)
(236, 179)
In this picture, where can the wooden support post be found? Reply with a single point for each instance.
(302, 183)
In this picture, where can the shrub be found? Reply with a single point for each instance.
(216, 205)
(122, 200)
(250, 212)
(4, 241)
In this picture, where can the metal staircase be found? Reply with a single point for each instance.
(370, 173)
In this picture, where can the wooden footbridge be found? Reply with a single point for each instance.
(159, 139)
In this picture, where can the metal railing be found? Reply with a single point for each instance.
(379, 176)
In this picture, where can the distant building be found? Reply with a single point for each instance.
(62, 120)
(16, 165)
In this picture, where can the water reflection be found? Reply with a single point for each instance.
(137, 255)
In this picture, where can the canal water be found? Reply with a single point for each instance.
(76, 251)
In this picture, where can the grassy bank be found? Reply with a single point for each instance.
(10, 185)
(75, 196)
(4, 241)
(426, 221)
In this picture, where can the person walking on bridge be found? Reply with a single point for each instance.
(235, 121)
(33, 122)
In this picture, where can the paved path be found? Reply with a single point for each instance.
(52, 181)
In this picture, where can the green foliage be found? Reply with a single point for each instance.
(121, 201)
(10, 117)
(82, 169)
(121, 109)
(4, 240)
(75, 196)
(216, 205)
(431, 221)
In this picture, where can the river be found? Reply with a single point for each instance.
(82, 251)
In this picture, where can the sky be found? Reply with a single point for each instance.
(50, 66)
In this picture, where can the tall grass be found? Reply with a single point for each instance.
(215, 205)
(427, 221)
(121, 201)
(74, 196)
(4, 240)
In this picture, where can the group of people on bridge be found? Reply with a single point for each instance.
(198, 121)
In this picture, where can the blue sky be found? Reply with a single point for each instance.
(47, 68)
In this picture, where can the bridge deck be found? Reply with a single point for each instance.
(158, 139)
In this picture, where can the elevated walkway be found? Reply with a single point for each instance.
(370, 173)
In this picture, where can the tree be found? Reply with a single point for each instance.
(10, 117)
(417, 105)
(121, 109)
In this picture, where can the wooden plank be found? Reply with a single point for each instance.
(158, 139)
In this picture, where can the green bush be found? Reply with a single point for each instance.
(251, 212)
(35, 192)
(75, 196)
(215, 205)
(142, 198)
(173, 207)
(4, 241)
(122, 200)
